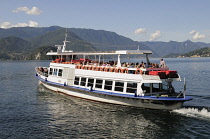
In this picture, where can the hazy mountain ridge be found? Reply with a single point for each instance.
(167, 48)
(108, 41)
(84, 40)
(26, 32)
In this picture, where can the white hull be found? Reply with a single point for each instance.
(136, 102)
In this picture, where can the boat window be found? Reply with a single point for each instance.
(99, 83)
(108, 85)
(51, 71)
(83, 81)
(156, 87)
(119, 86)
(165, 86)
(60, 71)
(76, 80)
(146, 87)
(131, 87)
(55, 72)
(90, 82)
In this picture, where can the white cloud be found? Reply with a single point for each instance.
(33, 24)
(140, 31)
(32, 11)
(197, 35)
(9, 25)
(155, 36)
(24, 9)
(5, 25)
(192, 32)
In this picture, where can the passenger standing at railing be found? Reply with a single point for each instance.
(162, 63)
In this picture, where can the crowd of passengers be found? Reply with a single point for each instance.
(123, 64)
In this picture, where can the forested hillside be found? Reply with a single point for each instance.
(203, 52)
(15, 48)
(57, 37)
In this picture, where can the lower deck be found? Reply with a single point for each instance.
(118, 86)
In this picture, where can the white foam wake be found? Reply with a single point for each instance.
(194, 112)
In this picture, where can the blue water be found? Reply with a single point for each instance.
(28, 110)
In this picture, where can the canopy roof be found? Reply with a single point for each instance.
(118, 52)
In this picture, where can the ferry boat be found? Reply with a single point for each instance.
(143, 85)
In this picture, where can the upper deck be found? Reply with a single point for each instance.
(118, 52)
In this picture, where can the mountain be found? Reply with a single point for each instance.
(40, 53)
(167, 48)
(56, 37)
(26, 32)
(203, 52)
(15, 48)
(108, 41)
(83, 40)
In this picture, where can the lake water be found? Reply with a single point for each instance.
(28, 110)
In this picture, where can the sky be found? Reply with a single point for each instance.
(139, 20)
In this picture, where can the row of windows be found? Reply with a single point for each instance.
(107, 85)
(119, 86)
(55, 72)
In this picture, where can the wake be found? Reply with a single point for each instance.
(194, 112)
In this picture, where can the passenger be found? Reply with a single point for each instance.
(142, 65)
(42, 70)
(162, 63)
(154, 65)
(104, 64)
(123, 64)
(45, 70)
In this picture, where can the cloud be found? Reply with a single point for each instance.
(9, 25)
(192, 32)
(155, 36)
(32, 11)
(24, 9)
(5, 25)
(140, 31)
(197, 35)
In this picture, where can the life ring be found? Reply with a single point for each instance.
(94, 68)
(124, 70)
(118, 70)
(138, 71)
(112, 69)
(97, 68)
(101, 68)
(107, 69)
(90, 68)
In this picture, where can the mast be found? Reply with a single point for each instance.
(64, 42)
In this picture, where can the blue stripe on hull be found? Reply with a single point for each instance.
(187, 98)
